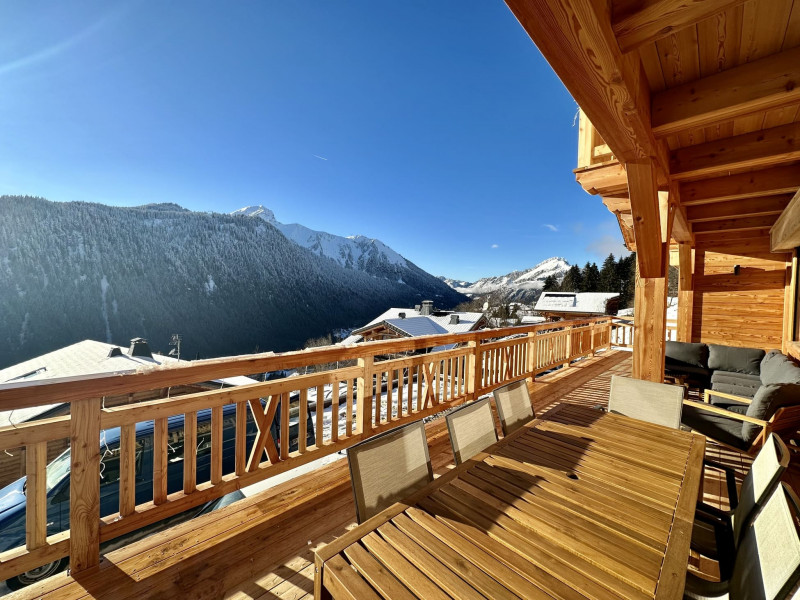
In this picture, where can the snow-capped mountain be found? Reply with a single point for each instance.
(521, 286)
(354, 252)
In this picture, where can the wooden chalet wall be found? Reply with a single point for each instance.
(745, 310)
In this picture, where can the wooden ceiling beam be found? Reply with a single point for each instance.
(749, 207)
(771, 82)
(732, 225)
(785, 233)
(652, 20)
(601, 180)
(768, 147)
(777, 180)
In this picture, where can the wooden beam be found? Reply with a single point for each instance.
(576, 38)
(790, 303)
(84, 489)
(682, 228)
(643, 189)
(749, 207)
(650, 326)
(729, 225)
(771, 82)
(785, 233)
(777, 180)
(685, 292)
(653, 20)
(603, 179)
(768, 147)
(734, 224)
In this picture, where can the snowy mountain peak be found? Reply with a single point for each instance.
(257, 211)
(522, 286)
(356, 252)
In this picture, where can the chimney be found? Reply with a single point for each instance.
(454, 319)
(416, 307)
(140, 347)
(427, 308)
(115, 351)
(402, 315)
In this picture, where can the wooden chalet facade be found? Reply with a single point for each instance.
(690, 134)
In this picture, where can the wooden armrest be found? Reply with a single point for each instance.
(708, 393)
(726, 413)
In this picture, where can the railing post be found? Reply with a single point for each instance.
(84, 489)
(475, 369)
(569, 344)
(531, 363)
(364, 395)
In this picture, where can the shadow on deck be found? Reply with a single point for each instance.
(262, 547)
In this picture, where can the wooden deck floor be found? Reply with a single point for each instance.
(262, 547)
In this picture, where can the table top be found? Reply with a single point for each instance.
(577, 504)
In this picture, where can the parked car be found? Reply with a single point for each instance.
(12, 497)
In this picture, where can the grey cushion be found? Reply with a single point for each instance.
(687, 354)
(727, 403)
(738, 384)
(768, 399)
(737, 360)
(718, 427)
(778, 368)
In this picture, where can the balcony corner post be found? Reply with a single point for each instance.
(532, 358)
(364, 395)
(474, 370)
(84, 489)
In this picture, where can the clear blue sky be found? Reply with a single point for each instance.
(435, 126)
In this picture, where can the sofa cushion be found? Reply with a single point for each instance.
(768, 399)
(685, 354)
(736, 360)
(718, 427)
(776, 367)
(738, 384)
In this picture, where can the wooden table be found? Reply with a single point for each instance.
(579, 504)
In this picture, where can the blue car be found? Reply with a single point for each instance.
(12, 497)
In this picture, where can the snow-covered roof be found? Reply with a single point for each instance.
(82, 359)
(582, 302)
(415, 324)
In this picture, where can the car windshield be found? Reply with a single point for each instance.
(57, 470)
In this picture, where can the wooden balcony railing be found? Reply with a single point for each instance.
(622, 332)
(374, 395)
(592, 149)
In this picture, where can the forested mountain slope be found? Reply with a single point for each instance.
(229, 285)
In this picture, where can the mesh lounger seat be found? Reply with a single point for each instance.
(471, 429)
(767, 563)
(389, 467)
(717, 533)
(514, 406)
(656, 403)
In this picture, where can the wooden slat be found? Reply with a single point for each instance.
(378, 576)
(241, 437)
(320, 414)
(189, 452)
(160, 460)
(36, 495)
(285, 426)
(127, 470)
(345, 583)
(216, 445)
(302, 434)
(647, 22)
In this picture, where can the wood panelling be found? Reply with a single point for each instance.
(739, 310)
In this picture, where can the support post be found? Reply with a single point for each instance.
(84, 489)
(475, 369)
(364, 394)
(685, 292)
(532, 361)
(653, 217)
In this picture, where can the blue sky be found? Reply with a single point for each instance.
(434, 126)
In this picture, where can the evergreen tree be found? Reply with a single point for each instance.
(591, 278)
(550, 284)
(626, 268)
(573, 280)
(609, 276)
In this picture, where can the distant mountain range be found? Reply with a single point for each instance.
(229, 284)
(519, 286)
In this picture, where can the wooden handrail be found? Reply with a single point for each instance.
(375, 395)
